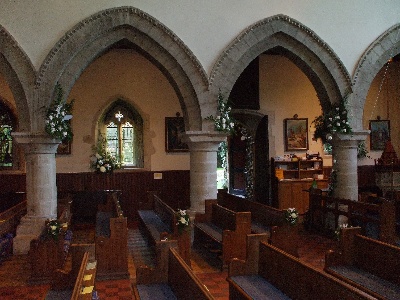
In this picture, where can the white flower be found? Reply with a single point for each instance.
(293, 215)
(102, 169)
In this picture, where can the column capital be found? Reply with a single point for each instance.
(351, 139)
(36, 142)
(204, 140)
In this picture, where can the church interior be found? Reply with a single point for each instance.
(199, 150)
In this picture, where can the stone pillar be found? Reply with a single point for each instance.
(203, 148)
(41, 189)
(345, 163)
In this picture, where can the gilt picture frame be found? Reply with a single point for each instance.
(379, 134)
(174, 128)
(296, 134)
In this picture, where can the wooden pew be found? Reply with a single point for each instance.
(270, 273)
(370, 265)
(179, 283)
(159, 221)
(263, 217)
(85, 280)
(9, 220)
(48, 255)
(111, 240)
(377, 220)
(224, 229)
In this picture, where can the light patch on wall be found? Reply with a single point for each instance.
(157, 175)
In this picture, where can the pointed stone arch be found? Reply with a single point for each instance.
(371, 62)
(101, 31)
(20, 75)
(293, 40)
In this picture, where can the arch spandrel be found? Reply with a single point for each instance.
(300, 44)
(96, 34)
(20, 74)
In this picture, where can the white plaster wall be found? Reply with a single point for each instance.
(284, 92)
(383, 100)
(207, 26)
(128, 75)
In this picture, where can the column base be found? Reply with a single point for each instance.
(30, 228)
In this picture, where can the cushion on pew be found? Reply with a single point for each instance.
(212, 230)
(159, 291)
(259, 288)
(153, 223)
(369, 281)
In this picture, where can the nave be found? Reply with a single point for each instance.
(14, 272)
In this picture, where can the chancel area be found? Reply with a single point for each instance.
(199, 150)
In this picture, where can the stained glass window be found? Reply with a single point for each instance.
(124, 131)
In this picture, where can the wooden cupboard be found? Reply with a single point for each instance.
(291, 181)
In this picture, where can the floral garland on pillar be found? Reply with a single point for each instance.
(57, 123)
(223, 122)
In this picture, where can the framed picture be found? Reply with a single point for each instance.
(64, 148)
(296, 134)
(380, 134)
(174, 127)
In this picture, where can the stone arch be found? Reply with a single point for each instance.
(293, 40)
(101, 31)
(20, 75)
(374, 58)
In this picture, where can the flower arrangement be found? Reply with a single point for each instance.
(333, 121)
(224, 121)
(102, 160)
(291, 216)
(53, 228)
(57, 123)
(338, 231)
(183, 220)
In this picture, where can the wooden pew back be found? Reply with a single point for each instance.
(378, 258)
(260, 213)
(299, 280)
(185, 284)
(166, 213)
(380, 216)
(81, 283)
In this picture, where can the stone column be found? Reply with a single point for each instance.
(203, 148)
(41, 189)
(345, 163)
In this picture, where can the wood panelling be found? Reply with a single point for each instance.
(174, 187)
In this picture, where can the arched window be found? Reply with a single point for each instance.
(123, 127)
(7, 124)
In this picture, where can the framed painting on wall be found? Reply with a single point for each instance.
(174, 127)
(296, 134)
(380, 134)
(64, 148)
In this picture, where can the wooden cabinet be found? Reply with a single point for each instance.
(294, 193)
(291, 181)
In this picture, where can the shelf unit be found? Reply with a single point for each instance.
(300, 169)
(291, 180)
